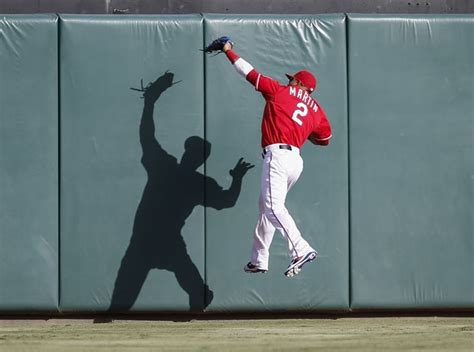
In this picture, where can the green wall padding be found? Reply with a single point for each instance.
(276, 45)
(411, 160)
(117, 207)
(28, 163)
(388, 204)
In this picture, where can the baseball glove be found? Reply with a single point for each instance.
(217, 45)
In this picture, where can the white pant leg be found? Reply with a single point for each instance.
(262, 238)
(281, 170)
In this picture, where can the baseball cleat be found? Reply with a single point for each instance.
(297, 263)
(250, 268)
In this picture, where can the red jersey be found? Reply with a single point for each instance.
(290, 113)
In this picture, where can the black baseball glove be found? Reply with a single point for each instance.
(217, 45)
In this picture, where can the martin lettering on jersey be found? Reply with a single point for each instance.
(304, 97)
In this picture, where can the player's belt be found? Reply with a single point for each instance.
(285, 146)
(279, 146)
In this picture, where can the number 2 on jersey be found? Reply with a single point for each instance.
(301, 111)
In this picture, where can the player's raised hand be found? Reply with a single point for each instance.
(240, 168)
(219, 45)
(153, 90)
(227, 46)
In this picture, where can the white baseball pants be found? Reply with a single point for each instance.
(281, 169)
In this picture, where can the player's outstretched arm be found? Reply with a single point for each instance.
(238, 172)
(151, 94)
(240, 65)
(219, 198)
(150, 147)
(262, 83)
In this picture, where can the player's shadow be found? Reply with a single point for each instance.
(172, 190)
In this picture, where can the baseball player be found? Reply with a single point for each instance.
(291, 116)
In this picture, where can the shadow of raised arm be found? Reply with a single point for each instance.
(221, 199)
(151, 94)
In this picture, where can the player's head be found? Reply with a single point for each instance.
(196, 151)
(304, 79)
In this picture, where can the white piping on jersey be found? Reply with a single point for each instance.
(242, 67)
(304, 97)
(258, 81)
(323, 139)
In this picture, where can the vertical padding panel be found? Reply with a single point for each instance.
(411, 144)
(318, 202)
(132, 227)
(28, 163)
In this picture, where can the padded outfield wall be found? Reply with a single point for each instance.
(29, 242)
(111, 202)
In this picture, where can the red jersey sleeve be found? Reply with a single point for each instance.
(264, 84)
(322, 133)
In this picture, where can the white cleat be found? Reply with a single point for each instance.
(251, 268)
(297, 263)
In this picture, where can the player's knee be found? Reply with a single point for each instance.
(275, 211)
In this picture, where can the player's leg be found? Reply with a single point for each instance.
(262, 239)
(133, 271)
(190, 280)
(282, 169)
(297, 262)
(293, 175)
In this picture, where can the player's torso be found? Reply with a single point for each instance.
(289, 117)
